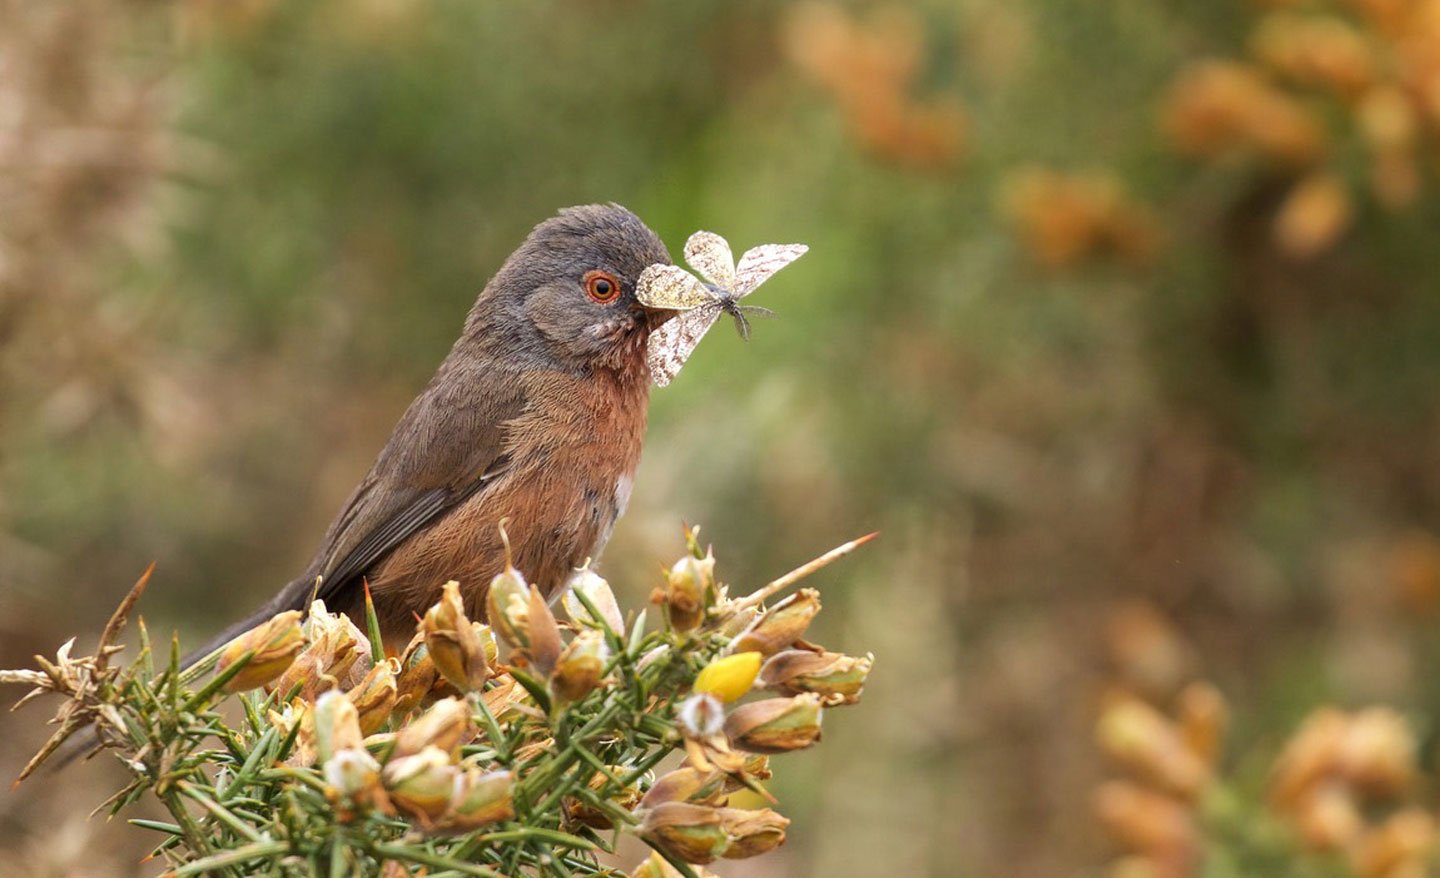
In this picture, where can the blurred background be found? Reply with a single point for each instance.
(1120, 321)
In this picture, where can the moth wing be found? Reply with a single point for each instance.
(759, 263)
(671, 287)
(672, 343)
(710, 255)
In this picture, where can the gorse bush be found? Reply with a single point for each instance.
(526, 746)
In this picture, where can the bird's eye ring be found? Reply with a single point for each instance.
(601, 287)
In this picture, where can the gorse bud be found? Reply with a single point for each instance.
(457, 646)
(686, 784)
(690, 833)
(781, 625)
(445, 726)
(836, 678)
(580, 667)
(775, 725)
(480, 797)
(507, 607)
(701, 719)
(701, 834)
(597, 591)
(419, 681)
(751, 833)
(507, 603)
(275, 643)
(1378, 752)
(374, 696)
(334, 648)
(545, 643)
(689, 591)
(422, 784)
(355, 775)
(730, 677)
(337, 725)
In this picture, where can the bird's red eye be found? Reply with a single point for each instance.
(601, 287)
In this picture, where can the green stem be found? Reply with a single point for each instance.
(229, 858)
(426, 858)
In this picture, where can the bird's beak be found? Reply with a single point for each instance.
(653, 318)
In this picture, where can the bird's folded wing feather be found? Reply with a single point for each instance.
(449, 444)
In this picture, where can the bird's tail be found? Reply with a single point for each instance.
(295, 596)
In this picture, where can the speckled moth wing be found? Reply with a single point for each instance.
(672, 287)
(672, 343)
(759, 263)
(709, 254)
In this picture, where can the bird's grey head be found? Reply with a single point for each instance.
(566, 296)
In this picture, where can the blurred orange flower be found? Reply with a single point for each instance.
(1063, 219)
(1316, 50)
(1220, 107)
(868, 67)
(1313, 216)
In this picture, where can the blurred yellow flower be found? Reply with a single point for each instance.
(1219, 107)
(1313, 216)
(868, 67)
(1064, 218)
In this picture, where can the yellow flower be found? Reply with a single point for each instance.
(730, 677)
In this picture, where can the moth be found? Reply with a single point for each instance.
(702, 302)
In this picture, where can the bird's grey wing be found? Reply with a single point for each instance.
(449, 444)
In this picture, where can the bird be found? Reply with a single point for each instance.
(534, 419)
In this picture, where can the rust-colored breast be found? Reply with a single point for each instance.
(573, 454)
